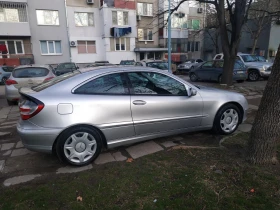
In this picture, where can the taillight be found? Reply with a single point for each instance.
(10, 82)
(49, 78)
(29, 109)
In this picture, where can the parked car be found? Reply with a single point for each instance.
(25, 76)
(256, 69)
(213, 70)
(127, 63)
(64, 68)
(5, 72)
(99, 63)
(106, 107)
(158, 64)
(189, 64)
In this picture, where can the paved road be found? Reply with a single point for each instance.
(16, 161)
(3, 101)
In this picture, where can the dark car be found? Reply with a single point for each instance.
(213, 70)
(127, 62)
(64, 68)
(99, 63)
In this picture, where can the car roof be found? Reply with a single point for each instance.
(237, 54)
(33, 66)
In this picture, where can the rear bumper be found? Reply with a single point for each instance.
(11, 93)
(36, 138)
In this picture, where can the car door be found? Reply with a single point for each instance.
(204, 71)
(160, 103)
(217, 70)
(109, 99)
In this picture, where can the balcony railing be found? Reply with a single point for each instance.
(13, 12)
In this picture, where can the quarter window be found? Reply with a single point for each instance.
(47, 17)
(144, 83)
(84, 19)
(108, 84)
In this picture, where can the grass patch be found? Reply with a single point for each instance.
(177, 179)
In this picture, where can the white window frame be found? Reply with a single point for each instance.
(142, 12)
(115, 43)
(87, 19)
(22, 46)
(147, 35)
(48, 47)
(47, 24)
(87, 46)
(122, 19)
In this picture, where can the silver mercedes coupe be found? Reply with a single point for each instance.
(78, 114)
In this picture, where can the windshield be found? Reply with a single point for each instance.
(54, 81)
(261, 58)
(127, 63)
(248, 58)
(158, 65)
(66, 66)
(30, 72)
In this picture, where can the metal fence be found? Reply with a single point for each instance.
(13, 12)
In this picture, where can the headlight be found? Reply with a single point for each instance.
(264, 68)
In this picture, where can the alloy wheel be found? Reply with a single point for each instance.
(229, 120)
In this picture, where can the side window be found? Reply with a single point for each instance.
(208, 64)
(155, 84)
(138, 64)
(199, 61)
(218, 64)
(237, 65)
(108, 84)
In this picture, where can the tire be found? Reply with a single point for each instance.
(193, 77)
(253, 75)
(3, 81)
(239, 81)
(225, 121)
(87, 140)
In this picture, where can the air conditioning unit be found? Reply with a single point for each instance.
(199, 10)
(73, 44)
(138, 17)
(90, 1)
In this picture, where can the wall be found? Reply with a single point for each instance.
(48, 32)
(274, 39)
(14, 29)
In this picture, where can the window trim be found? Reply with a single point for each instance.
(123, 75)
(147, 35)
(48, 47)
(6, 43)
(47, 24)
(131, 91)
(143, 9)
(87, 20)
(115, 43)
(122, 11)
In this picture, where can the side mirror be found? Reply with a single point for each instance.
(191, 92)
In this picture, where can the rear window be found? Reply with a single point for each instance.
(30, 72)
(127, 63)
(55, 81)
(66, 66)
(7, 68)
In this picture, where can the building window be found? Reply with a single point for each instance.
(145, 9)
(86, 47)
(179, 20)
(51, 47)
(13, 46)
(84, 19)
(120, 18)
(12, 12)
(47, 17)
(194, 24)
(120, 44)
(145, 34)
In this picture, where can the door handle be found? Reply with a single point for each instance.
(139, 102)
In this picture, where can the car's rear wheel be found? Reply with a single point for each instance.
(193, 77)
(253, 75)
(227, 119)
(79, 146)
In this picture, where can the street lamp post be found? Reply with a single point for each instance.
(169, 37)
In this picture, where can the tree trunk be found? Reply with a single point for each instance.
(265, 133)
(217, 41)
(254, 45)
(228, 70)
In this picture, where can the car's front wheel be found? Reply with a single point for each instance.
(227, 119)
(253, 75)
(193, 77)
(79, 145)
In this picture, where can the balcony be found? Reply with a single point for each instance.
(13, 19)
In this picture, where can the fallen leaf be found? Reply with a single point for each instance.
(129, 160)
(79, 198)
(252, 190)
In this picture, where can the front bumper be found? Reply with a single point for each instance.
(265, 73)
(37, 138)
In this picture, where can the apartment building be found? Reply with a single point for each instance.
(15, 34)
(101, 30)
